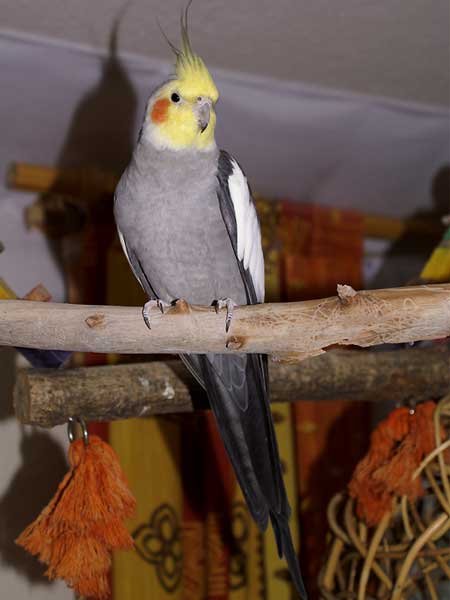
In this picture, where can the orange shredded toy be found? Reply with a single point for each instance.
(397, 447)
(75, 534)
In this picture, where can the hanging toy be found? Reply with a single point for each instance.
(83, 523)
(397, 447)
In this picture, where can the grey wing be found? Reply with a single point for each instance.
(241, 221)
(136, 267)
(237, 384)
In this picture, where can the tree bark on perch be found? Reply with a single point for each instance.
(293, 330)
(48, 397)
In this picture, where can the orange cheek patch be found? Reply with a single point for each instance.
(159, 110)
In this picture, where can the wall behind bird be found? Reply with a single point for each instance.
(385, 47)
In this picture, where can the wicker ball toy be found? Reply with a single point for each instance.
(407, 554)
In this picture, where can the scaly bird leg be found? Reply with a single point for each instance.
(229, 304)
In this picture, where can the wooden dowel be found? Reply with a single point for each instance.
(289, 330)
(33, 178)
(47, 397)
(87, 181)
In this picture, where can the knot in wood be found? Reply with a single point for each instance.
(96, 320)
(234, 342)
(181, 307)
(346, 293)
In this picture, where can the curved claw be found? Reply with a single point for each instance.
(151, 304)
(229, 304)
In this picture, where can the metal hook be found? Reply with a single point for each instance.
(71, 424)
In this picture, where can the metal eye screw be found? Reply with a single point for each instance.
(71, 428)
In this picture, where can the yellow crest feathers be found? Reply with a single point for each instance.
(190, 70)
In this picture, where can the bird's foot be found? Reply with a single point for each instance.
(152, 304)
(230, 305)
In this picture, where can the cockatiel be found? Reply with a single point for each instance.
(189, 228)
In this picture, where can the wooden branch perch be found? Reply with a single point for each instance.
(47, 397)
(295, 329)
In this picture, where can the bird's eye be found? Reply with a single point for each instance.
(175, 97)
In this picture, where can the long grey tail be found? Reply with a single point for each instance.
(286, 548)
(237, 391)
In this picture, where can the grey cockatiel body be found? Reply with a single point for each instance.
(189, 228)
(166, 203)
(169, 215)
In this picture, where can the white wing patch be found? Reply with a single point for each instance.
(124, 248)
(249, 249)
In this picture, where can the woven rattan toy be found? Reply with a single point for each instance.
(391, 540)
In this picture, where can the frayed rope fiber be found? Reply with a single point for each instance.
(84, 522)
(397, 447)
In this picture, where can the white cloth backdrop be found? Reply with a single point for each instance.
(67, 105)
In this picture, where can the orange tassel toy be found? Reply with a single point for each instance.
(75, 534)
(397, 447)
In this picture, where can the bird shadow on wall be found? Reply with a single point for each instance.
(43, 465)
(7, 378)
(101, 137)
(31, 488)
(406, 257)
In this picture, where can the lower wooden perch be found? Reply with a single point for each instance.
(48, 397)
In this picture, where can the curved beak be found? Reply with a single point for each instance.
(203, 113)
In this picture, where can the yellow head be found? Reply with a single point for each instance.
(180, 114)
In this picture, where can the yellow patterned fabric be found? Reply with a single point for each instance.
(149, 452)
